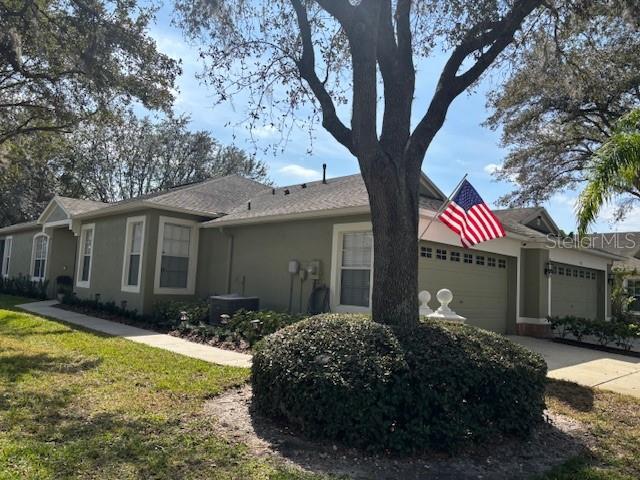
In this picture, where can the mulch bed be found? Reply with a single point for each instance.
(595, 346)
(554, 442)
(242, 347)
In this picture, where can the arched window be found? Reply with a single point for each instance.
(39, 256)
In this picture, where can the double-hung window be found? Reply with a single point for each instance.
(85, 256)
(39, 257)
(633, 290)
(133, 247)
(352, 267)
(6, 256)
(176, 260)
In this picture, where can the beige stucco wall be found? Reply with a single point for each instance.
(20, 264)
(108, 260)
(62, 256)
(261, 254)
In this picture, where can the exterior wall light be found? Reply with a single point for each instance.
(548, 269)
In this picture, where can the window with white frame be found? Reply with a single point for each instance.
(133, 247)
(39, 256)
(356, 268)
(633, 290)
(176, 260)
(85, 258)
(6, 256)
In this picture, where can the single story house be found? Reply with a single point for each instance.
(234, 235)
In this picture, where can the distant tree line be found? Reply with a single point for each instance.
(70, 73)
(116, 157)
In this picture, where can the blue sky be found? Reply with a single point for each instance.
(462, 146)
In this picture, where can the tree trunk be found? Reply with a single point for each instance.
(393, 195)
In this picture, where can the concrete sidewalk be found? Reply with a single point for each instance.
(147, 337)
(586, 366)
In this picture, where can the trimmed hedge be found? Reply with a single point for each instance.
(623, 332)
(435, 386)
(24, 287)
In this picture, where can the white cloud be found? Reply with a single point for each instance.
(491, 168)
(266, 131)
(565, 200)
(630, 222)
(299, 172)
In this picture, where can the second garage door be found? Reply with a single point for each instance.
(574, 291)
(478, 280)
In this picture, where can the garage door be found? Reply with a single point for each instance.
(478, 280)
(574, 291)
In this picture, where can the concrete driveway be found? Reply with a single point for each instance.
(588, 367)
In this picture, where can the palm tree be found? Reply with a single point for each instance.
(614, 172)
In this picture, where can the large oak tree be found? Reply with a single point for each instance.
(63, 61)
(327, 53)
(576, 77)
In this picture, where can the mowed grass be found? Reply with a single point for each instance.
(613, 421)
(76, 404)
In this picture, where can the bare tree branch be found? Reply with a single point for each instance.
(306, 67)
(495, 36)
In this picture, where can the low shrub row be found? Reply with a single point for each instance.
(621, 332)
(24, 287)
(110, 307)
(170, 313)
(436, 385)
(190, 320)
(241, 331)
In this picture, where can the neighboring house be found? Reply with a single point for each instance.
(233, 235)
(627, 246)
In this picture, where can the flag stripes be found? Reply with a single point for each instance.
(469, 217)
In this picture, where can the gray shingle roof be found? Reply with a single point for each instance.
(341, 193)
(76, 206)
(625, 244)
(19, 227)
(210, 198)
(338, 193)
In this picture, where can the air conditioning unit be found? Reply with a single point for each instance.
(229, 304)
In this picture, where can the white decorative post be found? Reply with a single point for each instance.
(424, 297)
(443, 312)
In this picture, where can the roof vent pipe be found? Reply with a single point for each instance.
(273, 191)
(324, 173)
(248, 205)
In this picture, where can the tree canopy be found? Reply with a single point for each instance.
(62, 61)
(574, 79)
(112, 158)
(334, 55)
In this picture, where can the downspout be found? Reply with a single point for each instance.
(229, 258)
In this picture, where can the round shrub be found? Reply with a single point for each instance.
(436, 385)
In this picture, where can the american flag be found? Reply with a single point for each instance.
(469, 217)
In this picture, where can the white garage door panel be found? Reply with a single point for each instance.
(480, 292)
(573, 295)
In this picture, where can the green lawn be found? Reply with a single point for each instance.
(614, 422)
(76, 404)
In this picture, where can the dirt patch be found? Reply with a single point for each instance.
(557, 440)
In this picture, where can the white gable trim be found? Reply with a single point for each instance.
(50, 207)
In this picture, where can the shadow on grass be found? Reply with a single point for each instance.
(15, 366)
(55, 435)
(576, 396)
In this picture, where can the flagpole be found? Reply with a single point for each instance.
(444, 205)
